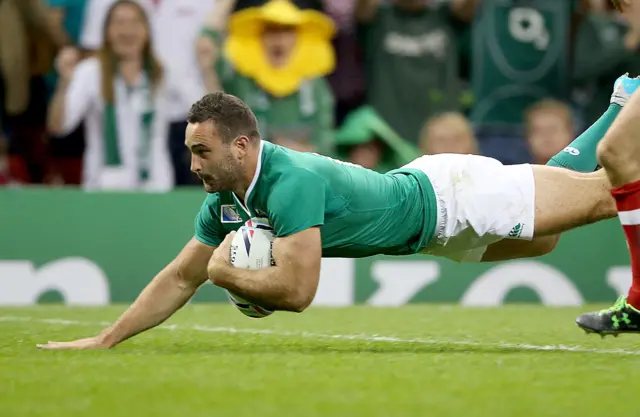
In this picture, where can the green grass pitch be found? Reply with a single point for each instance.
(419, 360)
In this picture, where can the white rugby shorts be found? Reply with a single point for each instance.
(480, 201)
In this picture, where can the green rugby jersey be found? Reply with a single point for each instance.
(360, 212)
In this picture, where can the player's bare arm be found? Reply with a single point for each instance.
(290, 285)
(164, 295)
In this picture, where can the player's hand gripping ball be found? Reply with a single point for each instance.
(251, 249)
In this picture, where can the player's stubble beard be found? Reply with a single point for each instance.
(223, 175)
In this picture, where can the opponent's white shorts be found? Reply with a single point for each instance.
(480, 201)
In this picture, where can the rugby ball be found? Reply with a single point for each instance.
(251, 249)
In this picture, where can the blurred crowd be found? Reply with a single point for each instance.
(96, 92)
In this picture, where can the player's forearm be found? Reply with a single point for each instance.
(157, 302)
(270, 287)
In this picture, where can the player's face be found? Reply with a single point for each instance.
(127, 31)
(278, 42)
(213, 161)
(547, 135)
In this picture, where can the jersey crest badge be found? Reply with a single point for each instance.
(229, 214)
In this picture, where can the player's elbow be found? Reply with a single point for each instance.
(300, 298)
(297, 304)
(297, 301)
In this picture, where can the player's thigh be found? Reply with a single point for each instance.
(508, 249)
(566, 199)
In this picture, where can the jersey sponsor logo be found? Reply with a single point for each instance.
(229, 214)
(571, 151)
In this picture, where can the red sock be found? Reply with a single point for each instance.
(628, 203)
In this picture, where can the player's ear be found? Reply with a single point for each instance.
(242, 142)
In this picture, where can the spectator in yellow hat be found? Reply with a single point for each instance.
(274, 58)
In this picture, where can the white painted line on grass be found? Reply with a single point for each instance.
(359, 337)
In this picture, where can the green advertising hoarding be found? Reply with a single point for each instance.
(100, 248)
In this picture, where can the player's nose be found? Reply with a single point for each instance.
(195, 164)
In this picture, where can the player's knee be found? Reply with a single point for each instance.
(621, 163)
(610, 156)
(543, 246)
(549, 244)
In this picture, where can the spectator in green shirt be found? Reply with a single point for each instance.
(274, 57)
(520, 54)
(411, 59)
(366, 139)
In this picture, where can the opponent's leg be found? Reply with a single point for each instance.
(619, 155)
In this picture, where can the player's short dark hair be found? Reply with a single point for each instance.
(230, 115)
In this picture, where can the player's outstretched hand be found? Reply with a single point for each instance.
(80, 344)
